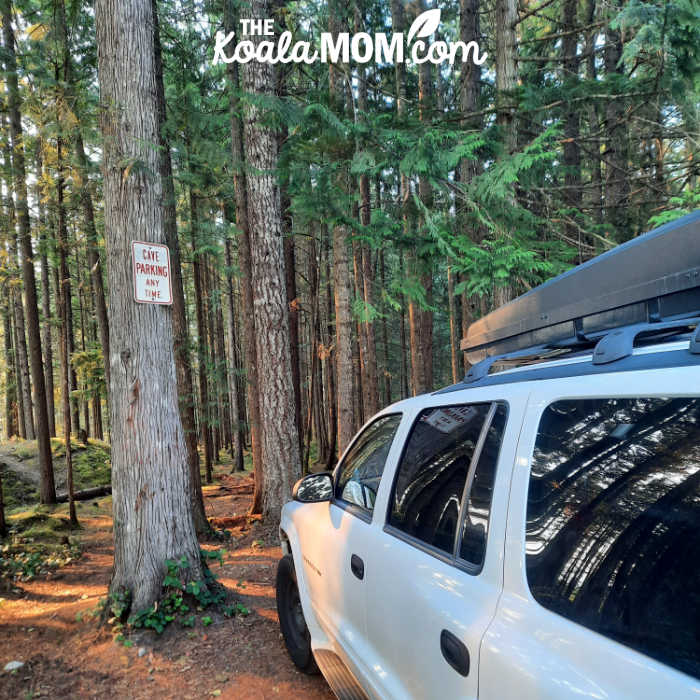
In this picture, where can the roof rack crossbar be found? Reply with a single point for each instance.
(619, 343)
(694, 346)
(482, 369)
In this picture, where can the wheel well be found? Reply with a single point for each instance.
(284, 542)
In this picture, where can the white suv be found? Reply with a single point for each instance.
(528, 533)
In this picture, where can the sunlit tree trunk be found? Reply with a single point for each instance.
(280, 442)
(150, 475)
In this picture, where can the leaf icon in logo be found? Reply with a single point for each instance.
(424, 25)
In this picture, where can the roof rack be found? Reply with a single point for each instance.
(647, 288)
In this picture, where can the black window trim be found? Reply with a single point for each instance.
(352, 508)
(452, 559)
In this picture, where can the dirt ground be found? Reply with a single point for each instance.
(46, 623)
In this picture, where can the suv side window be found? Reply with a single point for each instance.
(431, 478)
(360, 472)
(613, 522)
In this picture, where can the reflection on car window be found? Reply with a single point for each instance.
(361, 470)
(613, 522)
(476, 521)
(433, 472)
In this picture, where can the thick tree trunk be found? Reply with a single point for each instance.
(181, 339)
(280, 442)
(47, 488)
(244, 261)
(150, 474)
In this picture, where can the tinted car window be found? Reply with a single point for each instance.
(478, 508)
(431, 477)
(613, 522)
(361, 470)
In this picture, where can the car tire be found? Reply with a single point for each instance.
(292, 623)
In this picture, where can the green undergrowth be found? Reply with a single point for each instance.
(38, 542)
(182, 601)
(17, 493)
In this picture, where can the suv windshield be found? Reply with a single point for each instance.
(613, 521)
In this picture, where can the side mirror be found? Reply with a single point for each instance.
(314, 488)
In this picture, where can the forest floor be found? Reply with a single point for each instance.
(49, 623)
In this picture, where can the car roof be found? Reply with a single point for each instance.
(661, 356)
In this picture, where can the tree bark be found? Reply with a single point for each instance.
(150, 474)
(245, 263)
(204, 427)
(181, 339)
(10, 386)
(572, 150)
(617, 184)
(238, 436)
(342, 281)
(280, 442)
(24, 398)
(47, 487)
(46, 339)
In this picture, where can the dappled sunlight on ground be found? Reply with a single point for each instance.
(49, 624)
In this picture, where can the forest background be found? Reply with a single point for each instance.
(409, 201)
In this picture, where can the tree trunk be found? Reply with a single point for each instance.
(245, 263)
(421, 320)
(64, 281)
(93, 255)
(238, 436)
(64, 302)
(370, 384)
(330, 355)
(181, 339)
(10, 386)
(46, 338)
(572, 150)
(469, 95)
(47, 487)
(3, 526)
(342, 281)
(617, 184)
(506, 16)
(454, 339)
(280, 441)
(22, 425)
(204, 428)
(150, 475)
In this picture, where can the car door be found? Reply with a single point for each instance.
(435, 571)
(334, 537)
(601, 592)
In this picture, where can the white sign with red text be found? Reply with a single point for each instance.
(151, 266)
